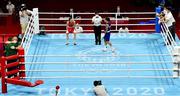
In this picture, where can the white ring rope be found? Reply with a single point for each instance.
(88, 77)
(102, 24)
(101, 70)
(126, 55)
(165, 40)
(93, 30)
(166, 34)
(88, 13)
(170, 35)
(153, 62)
(27, 30)
(85, 19)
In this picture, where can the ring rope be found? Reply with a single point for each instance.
(87, 77)
(127, 55)
(128, 13)
(91, 19)
(170, 35)
(102, 24)
(101, 70)
(155, 62)
(93, 30)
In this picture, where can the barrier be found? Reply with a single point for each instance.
(19, 74)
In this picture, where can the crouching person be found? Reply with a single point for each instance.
(99, 89)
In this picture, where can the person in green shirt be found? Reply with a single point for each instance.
(11, 46)
(11, 49)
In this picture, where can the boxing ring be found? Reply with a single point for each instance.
(141, 65)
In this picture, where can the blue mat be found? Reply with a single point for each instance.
(54, 44)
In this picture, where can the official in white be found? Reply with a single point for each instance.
(170, 22)
(97, 28)
(24, 15)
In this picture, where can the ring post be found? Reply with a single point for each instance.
(22, 60)
(116, 21)
(158, 26)
(36, 20)
(3, 74)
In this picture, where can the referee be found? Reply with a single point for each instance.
(170, 22)
(97, 28)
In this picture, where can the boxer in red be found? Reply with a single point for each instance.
(70, 29)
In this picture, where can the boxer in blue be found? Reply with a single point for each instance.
(107, 34)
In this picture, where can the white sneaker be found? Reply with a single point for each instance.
(105, 49)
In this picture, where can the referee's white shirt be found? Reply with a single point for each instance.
(97, 20)
(100, 90)
(169, 19)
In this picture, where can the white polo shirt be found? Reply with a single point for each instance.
(10, 8)
(97, 20)
(100, 90)
(24, 19)
(169, 19)
(78, 29)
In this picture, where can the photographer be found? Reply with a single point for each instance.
(99, 89)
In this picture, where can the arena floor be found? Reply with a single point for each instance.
(125, 44)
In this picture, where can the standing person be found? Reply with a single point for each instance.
(24, 14)
(118, 12)
(10, 7)
(97, 28)
(70, 29)
(99, 89)
(107, 34)
(170, 22)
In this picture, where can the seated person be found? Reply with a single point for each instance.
(123, 30)
(11, 46)
(78, 29)
(42, 32)
(99, 89)
(11, 49)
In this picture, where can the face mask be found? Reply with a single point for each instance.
(14, 41)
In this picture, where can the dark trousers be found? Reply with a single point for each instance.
(97, 32)
(172, 30)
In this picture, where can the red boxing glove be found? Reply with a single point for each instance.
(57, 87)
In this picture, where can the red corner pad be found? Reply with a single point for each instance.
(23, 82)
